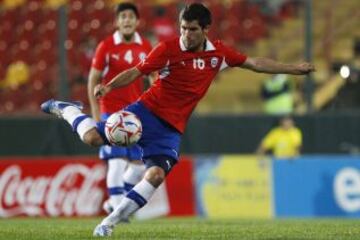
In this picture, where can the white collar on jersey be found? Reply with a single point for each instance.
(118, 38)
(209, 45)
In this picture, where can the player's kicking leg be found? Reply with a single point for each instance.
(133, 175)
(158, 168)
(89, 131)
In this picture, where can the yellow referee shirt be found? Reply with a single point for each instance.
(283, 143)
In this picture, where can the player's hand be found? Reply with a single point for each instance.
(305, 68)
(101, 90)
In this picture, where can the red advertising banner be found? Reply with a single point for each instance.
(51, 186)
(75, 186)
(181, 189)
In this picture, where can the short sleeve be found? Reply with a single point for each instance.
(269, 140)
(232, 57)
(99, 59)
(155, 61)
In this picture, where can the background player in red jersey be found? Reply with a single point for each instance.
(187, 67)
(124, 49)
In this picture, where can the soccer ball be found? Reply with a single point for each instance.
(123, 128)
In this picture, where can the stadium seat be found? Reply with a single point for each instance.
(12, 99)
(9, 15)
(79, 93)
(32, 35)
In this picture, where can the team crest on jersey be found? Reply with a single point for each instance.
(214, 61)
(142, 56)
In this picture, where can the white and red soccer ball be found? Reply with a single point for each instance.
(123, 128)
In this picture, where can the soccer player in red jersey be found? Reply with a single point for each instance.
(187, 66)
(124, 49)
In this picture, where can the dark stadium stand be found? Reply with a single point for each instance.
(29, 33)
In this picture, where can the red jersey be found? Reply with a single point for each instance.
(184, 77)
(112, 56)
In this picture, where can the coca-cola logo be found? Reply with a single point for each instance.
(73, 190)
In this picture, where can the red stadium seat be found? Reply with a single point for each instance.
(2, 72)
(79, 92)
(39, 95)
(12, 100)
(76, 10)
(8, 31)
(10, 15)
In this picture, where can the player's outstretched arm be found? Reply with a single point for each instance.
(266, 65)
(120, 80)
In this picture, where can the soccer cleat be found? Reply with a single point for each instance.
(55, 107)
(103, 231)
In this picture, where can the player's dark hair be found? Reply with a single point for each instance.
(127, 6)
(196, 11)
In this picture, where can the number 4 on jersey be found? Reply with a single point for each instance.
(128, 57)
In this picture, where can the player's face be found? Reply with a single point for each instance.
(287, 123)
(127, 22)
(192, 35)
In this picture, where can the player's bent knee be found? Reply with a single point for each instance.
(93, 138)
(155, 176)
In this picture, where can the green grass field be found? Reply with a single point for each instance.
(184, 228)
